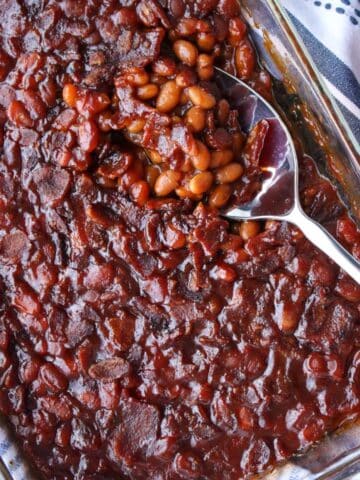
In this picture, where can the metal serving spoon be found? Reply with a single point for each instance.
(278, 198)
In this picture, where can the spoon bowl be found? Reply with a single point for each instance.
(278, 198)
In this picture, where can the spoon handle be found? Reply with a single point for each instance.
(323, 240)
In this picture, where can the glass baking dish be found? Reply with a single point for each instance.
(315, 118)
(305, 100)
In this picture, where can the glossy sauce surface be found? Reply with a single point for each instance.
(142, 336)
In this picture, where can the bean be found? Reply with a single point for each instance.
(90, 103)
(187, 26)
(177, 8)
(187, 165)
(315, 363)
(205, 68)
(186, 78)
(219, 158)
(228, 8)
(237, 143)
(201, 160)
(5, 65)
(287, 318)
(152, 174)
(140, 192)
(348, 289)
(237, 30)
(54, 380)
(126, 16)
(220, 196)
(137, 77)
(201, 183)
(347, 230)
(30, 370)
(34, 104)
(148, 13)
(47, 90)
(166, 182)
(65, 119)
(214, 305)
(136, 126)
(223, 272)
(174, 238)
(183, 192)
(99, 101)
(241, 255)
(186, 52)
(148, 91)
(205, 41)
(64, 157)
(265, 84)
(70, 94)
(31, 62)
(29, 81)
(205, 73)
(201, 98)
(132, 175)
(196, 118)
(229, 173)
(335, 366)
(154, 156)
(244, 60)
(168, 97)
(223, 111)
(184, 97)
(88, 136)
(18, 114)
(249, 229)
(246, 418)
(203, 26)
(164, 66)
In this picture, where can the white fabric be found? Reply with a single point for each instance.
(333, 29)
(330, 30)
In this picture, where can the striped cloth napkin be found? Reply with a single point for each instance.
(330, 29)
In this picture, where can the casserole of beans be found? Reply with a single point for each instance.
(142, 336)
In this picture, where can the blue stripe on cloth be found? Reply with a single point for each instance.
(352, 121)
(4, 447)
(329, 64)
